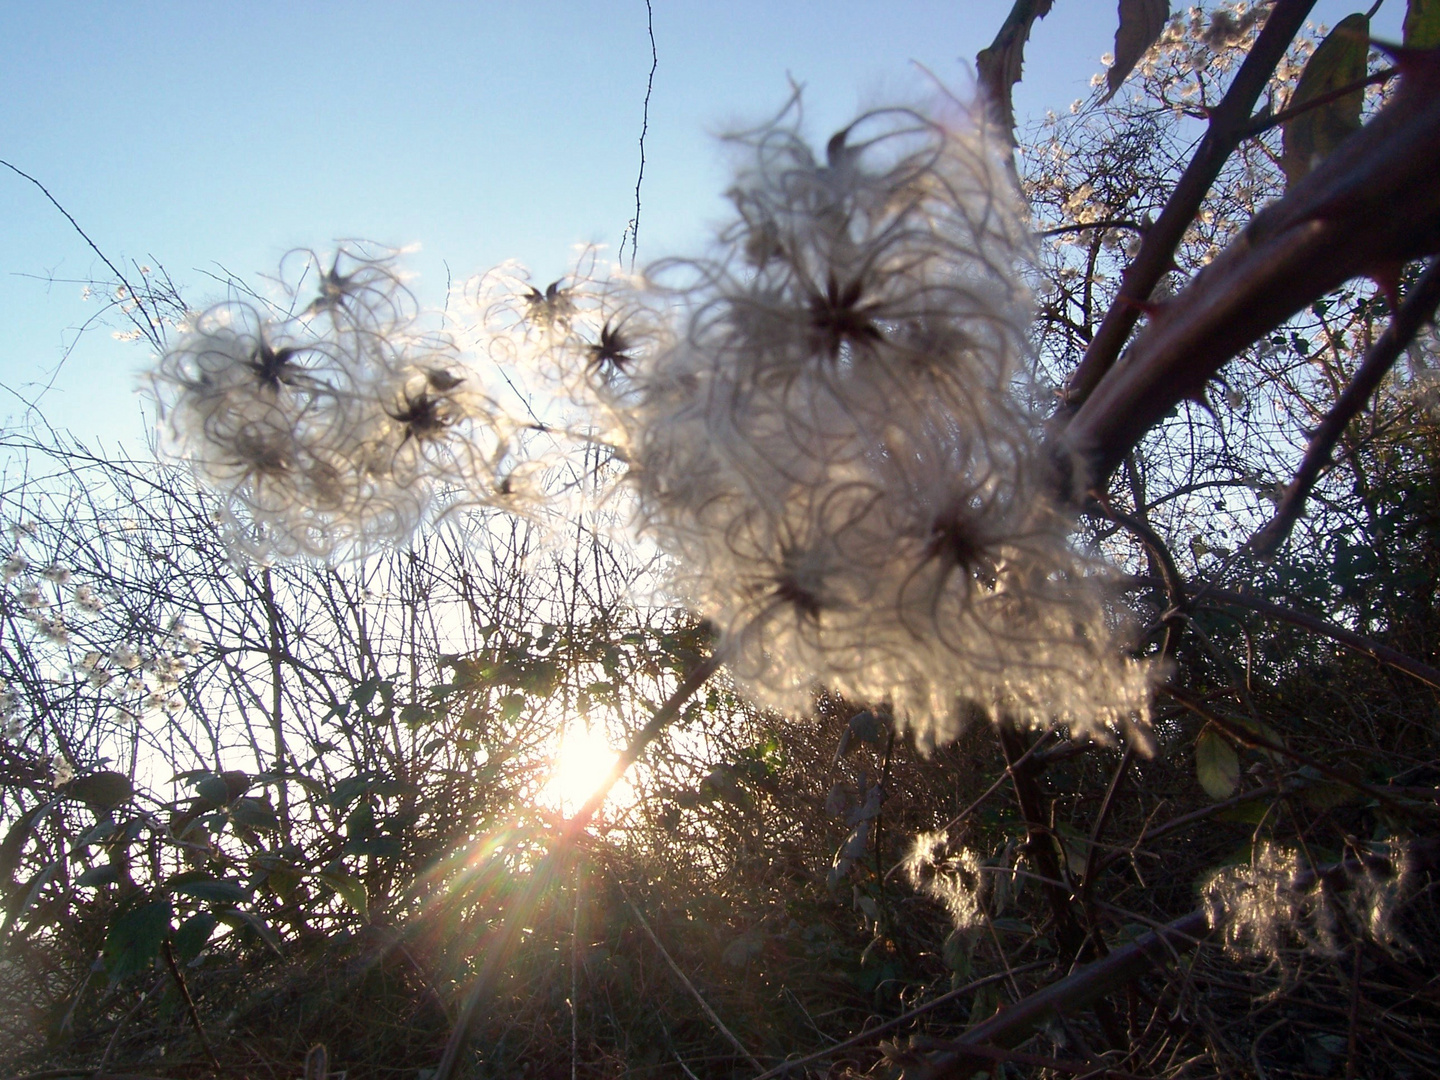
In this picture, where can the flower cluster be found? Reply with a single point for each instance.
(832, 440)
(954, 881)
(1270, 905)
(824, 425)
(332, 430)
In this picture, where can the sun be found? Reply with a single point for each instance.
(582, 762)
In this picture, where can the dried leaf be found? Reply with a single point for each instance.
(1338, 61)
(1217, 766)
(101, 790)
(1140, 24)
(998, 68)
(1422, 24)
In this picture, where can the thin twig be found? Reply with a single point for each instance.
(151, 321)
(1372, 203)
(870, 1034)
(1255, 741)
(1108, 223)
(963, 814)
(178, 976)
(124, 1021)
(634, 229)
(1229, 124)
(710, 1013)
(1351, 640)
(1418, 309)
(1265, 121)
(1039, 843)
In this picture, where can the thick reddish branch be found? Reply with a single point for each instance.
(1368, 208)
(1230, 123)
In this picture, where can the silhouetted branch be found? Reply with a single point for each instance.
(1418, 309)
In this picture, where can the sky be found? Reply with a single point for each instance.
(207, 137)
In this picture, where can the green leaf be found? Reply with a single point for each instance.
(364, 693)
(361, 821)
(283, 881)
(312, 786)
(1422, 24)
(956, 952)
(101, 831)
(1338, 61)
(213, 790)
(866, 727)
(1251, 812)
(237, 918)
(135, 937)
(96, 876)
(414, 715)
(101, 790)
(1328, 794)
(350, 888)
(204, 887)
(1217, 766)
(1140, 24)
(348, 790)
(193, 935)
(14, 843)
(1013, 926)
(254, 814)
(31, 892)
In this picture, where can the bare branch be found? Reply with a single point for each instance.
(1371, 206)
(1418, 308)
(1229, 125)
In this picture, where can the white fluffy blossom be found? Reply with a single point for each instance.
(1269, 906)
(823, 424)
(832, 441)
(61, 771)
(333, 431)
(955, 881)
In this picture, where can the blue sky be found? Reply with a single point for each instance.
(197, 134)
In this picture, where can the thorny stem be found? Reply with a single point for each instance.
(1418, 309)
(1267, 120)
(998, 67)
(1370, 206)
(502, 945)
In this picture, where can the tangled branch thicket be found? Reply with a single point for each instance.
(285, 777)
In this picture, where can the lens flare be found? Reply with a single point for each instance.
(582, 762)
